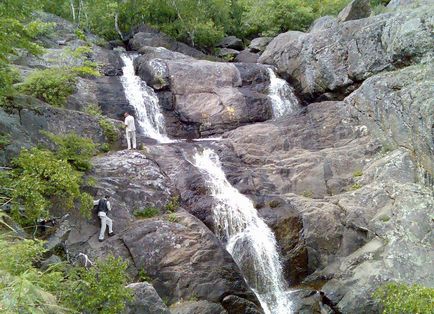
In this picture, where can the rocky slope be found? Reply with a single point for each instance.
(345, 183)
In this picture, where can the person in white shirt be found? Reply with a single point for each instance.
(130, 130)
(103, 208)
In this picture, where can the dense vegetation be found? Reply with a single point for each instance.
(199, 23)
(397, 298)
(61, 288)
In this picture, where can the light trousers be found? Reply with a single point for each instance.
(105, 221)
(131, 137)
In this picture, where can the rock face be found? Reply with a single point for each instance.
(180, 255)
(331, 63)
(146, 300)
(207, 97)
(356, 9)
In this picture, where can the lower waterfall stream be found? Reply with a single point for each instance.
(248, 238)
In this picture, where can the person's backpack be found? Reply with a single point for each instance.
(102, 206)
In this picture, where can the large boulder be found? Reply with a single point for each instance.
(259, 44)
(231, 42)
(334, 61)
(146, 300)
(356, 9)
(207, 97)
(147, 36)
(246, 56)
(197, 307)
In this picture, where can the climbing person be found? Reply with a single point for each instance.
(103, 207)
(130, 130)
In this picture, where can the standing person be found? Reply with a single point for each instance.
(130, 130)
(103, 208)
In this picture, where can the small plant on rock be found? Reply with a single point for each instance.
(93, 110)
(356, 186)
(173, 204)
(147, 212)
(5, 140)
(172, 218)
(357, 173)
(308, 194)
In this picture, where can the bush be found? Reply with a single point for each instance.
(101, 289)
(110, 131)
(42, 181)
(60, 289)
(86, 71)
(75, 149)
(23, 288)
(147, 212)
(5, 140)
(397, 298)
(93, 110)
(53, 85)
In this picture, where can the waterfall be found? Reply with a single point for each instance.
(144, 100)
(282, 96)
(249, 240)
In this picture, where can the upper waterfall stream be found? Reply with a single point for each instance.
(282, 96)
(144, 100)
(249, 240)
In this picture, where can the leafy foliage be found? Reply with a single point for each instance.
(93, 110)
(173, 204)
(399, 298)
(75, 149)
(51, 85)
(41, 181)
(5, 140)
(110, 131)
(101, 289)
(26, 289)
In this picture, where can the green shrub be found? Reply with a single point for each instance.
(105, 148)
(41, 181)
(143, 276)
(85, 71)
(93, 110)
(80, 34)
(101, 289)
(5, 140)
(23, 288)
(147, 212)
(173, 204)
(73, 148)
(397, 298)
(53, 85)
(110, 131)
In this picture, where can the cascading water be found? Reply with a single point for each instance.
(249, 240)
(282, 96)
(144, 101)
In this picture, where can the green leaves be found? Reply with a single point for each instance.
(41, 181)
(397, 298)
(101, 289)
(51, 85)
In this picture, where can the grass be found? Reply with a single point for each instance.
(173, 204)
(356, 186)
(308, 194)
(357, 173)
(172, 218)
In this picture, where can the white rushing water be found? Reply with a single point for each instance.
(144, 100)
(249, 240)
(282, 96)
